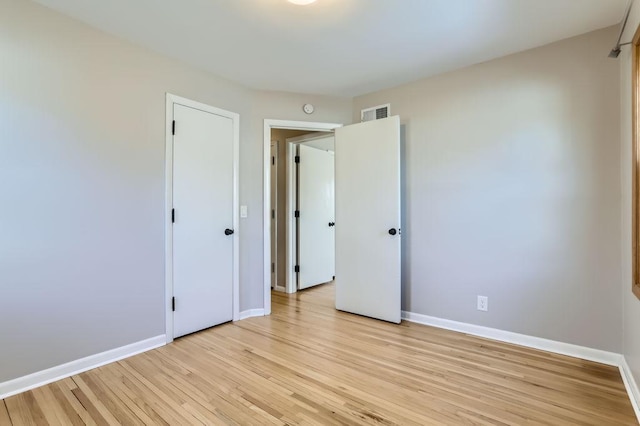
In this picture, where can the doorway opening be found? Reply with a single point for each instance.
(282, 141)
(280, 183)
(302, 209)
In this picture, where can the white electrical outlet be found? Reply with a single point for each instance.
(483, 303)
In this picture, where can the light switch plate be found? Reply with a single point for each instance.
(243, 211)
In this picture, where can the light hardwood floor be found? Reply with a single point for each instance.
(309, 364)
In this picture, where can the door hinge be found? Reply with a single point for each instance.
(273, 161)
(273, 267)
(297, 268)
(297, 158)
(273, 214)
(173, 304)
(173, 127)
(173, 215)
(297, 213)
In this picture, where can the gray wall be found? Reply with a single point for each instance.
(82, 117)
(512, 191)
(630, 304)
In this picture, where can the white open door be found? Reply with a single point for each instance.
(203, 159)
(367, 174)
(316, 239)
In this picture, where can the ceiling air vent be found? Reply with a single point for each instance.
(375, 113)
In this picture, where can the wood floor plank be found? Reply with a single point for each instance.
(5, 420)
(310, 364)
(76, 414)
(55, 415)
(23, 410)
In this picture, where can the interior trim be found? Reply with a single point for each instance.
(568, 349)
(249, 313)
(631, 385)
(589, 354)
(59, 372)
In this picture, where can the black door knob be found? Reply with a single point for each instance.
(393, 231)
(228, 231)
(332, 224)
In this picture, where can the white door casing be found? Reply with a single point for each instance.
(316, 239)
(367, 170)
(202, 260)
(274, 214)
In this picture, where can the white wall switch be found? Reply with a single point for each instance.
(243, 211)
(483, 303)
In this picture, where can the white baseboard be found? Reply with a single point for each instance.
(576, 351)
(631, 385)
(251, 313)
(44, 377)
(590, 354)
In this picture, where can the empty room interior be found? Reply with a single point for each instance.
(279, 212)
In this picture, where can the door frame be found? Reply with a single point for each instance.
(274, 262)
(266, 194)
(291, 282)
(168, 233)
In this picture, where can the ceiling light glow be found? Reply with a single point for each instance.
(301, 2)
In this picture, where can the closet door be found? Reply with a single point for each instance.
(203, 241)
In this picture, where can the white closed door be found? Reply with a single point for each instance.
(316, 238)
(367, 170)
(203, 219)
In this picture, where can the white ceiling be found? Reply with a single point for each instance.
(340, 47)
